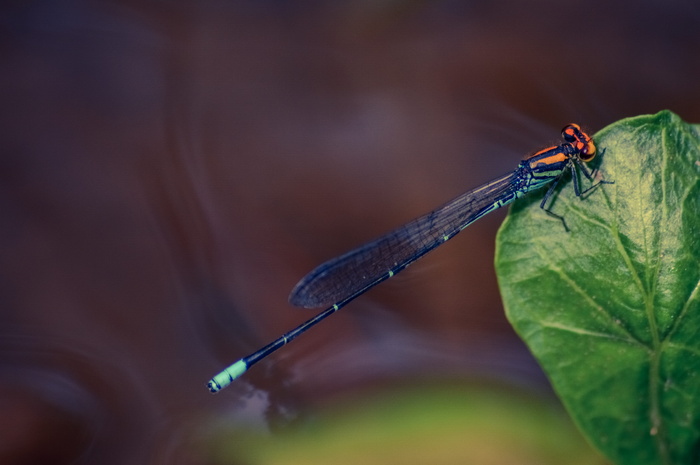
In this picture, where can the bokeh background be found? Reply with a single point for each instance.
(169, 171)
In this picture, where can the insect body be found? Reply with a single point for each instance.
(342, 279)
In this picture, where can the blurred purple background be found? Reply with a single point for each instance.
(169, 170)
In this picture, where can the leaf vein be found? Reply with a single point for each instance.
(586, 332)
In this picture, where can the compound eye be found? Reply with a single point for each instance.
(587, 150)
(571, 133)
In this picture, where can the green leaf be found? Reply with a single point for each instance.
(612, 309)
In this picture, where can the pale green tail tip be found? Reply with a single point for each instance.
(227, 376)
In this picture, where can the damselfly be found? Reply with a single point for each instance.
(342, 279)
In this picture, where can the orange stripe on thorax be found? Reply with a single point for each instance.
(555, 158)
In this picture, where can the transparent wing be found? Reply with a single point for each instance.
(361, 268)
